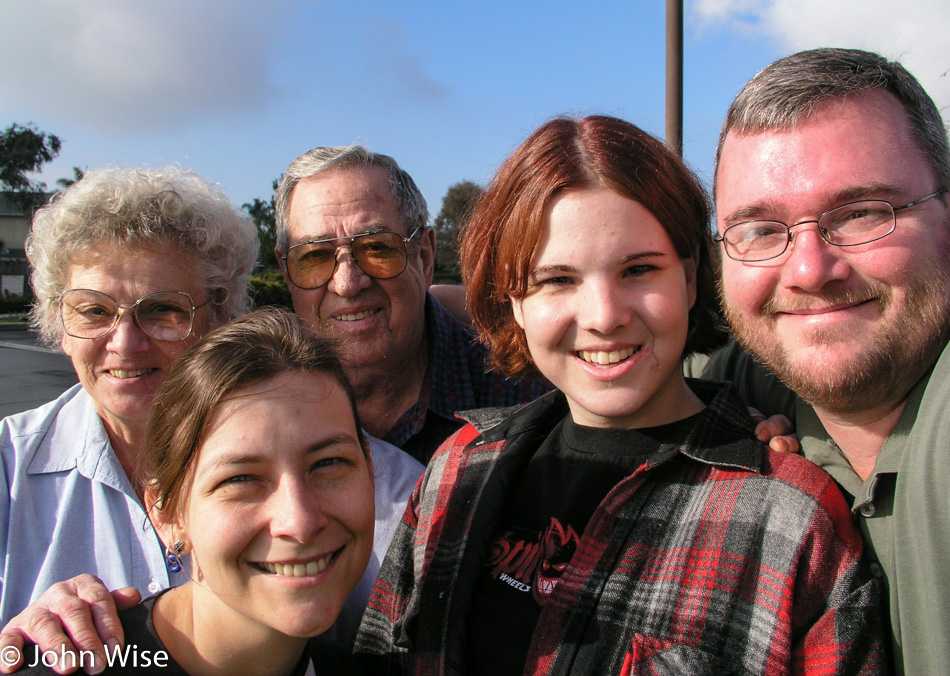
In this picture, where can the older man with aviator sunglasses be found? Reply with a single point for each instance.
(357, 253)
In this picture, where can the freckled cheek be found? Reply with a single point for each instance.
(547, 323)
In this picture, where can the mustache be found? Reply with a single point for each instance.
(827, 297)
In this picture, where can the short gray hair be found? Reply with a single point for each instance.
(142, 209)
(788, 90)
(409, 200)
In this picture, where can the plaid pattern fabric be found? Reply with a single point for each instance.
(458, 379)
(717, 557)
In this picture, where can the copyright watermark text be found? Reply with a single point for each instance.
(128, 657)
(10, 655)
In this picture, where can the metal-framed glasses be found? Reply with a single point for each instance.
(167, 315)
(848, 225)
(381, 255)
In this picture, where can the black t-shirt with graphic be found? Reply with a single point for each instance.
(541, 524)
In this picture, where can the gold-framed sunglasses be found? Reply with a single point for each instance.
(381, 255)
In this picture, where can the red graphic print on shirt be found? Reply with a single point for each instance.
(534, 564)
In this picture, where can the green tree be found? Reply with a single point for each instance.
(264, 215)
(77, 176)
(456, 209)
(25, 149)
(268, 288)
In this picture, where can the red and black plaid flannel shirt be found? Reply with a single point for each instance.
(716, 557)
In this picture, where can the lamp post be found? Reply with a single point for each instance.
(674, 76)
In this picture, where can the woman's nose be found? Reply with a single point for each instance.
(127, 336)
(602, 307)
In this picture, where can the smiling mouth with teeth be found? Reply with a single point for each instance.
(296, 569)
(355, 317)
(119, 373)
(606, 358)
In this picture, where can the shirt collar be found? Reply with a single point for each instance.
(77, 439)
(820, 448)
(722, 434)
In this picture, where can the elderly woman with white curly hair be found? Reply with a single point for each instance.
(130, 267)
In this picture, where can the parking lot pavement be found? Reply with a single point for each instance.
(30, 374)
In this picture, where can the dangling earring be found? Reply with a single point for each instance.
(172, 556)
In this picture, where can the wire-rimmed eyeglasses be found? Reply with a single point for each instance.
(848, 225)
(381, 255)
(167, 315)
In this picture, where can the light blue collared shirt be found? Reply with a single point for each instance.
(67, 507)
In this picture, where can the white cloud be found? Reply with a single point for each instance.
(911, 31)
(133, 65)
(395, 67)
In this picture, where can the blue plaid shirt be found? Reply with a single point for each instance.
(458, 378)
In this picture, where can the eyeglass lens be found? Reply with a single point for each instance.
(848, 225)
(857, 223)
(380, 255)
(91, 314)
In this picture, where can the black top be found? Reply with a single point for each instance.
(543, 520)
(144, 652)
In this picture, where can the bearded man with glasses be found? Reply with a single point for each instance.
(357, 253)
(831, 197)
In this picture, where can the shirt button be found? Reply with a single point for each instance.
(867, 509)
(154, 586)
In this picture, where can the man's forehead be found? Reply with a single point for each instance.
(343, 203)
(754, 175)
(857, 148)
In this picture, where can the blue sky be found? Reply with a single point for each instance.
(235, 89)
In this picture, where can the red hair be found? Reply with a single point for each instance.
(507, 222)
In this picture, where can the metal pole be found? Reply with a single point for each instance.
(674, 76)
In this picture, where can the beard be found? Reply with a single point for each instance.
(898, 353)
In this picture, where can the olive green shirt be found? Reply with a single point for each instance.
(902, 509)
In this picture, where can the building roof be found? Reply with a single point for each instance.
(9, 206)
